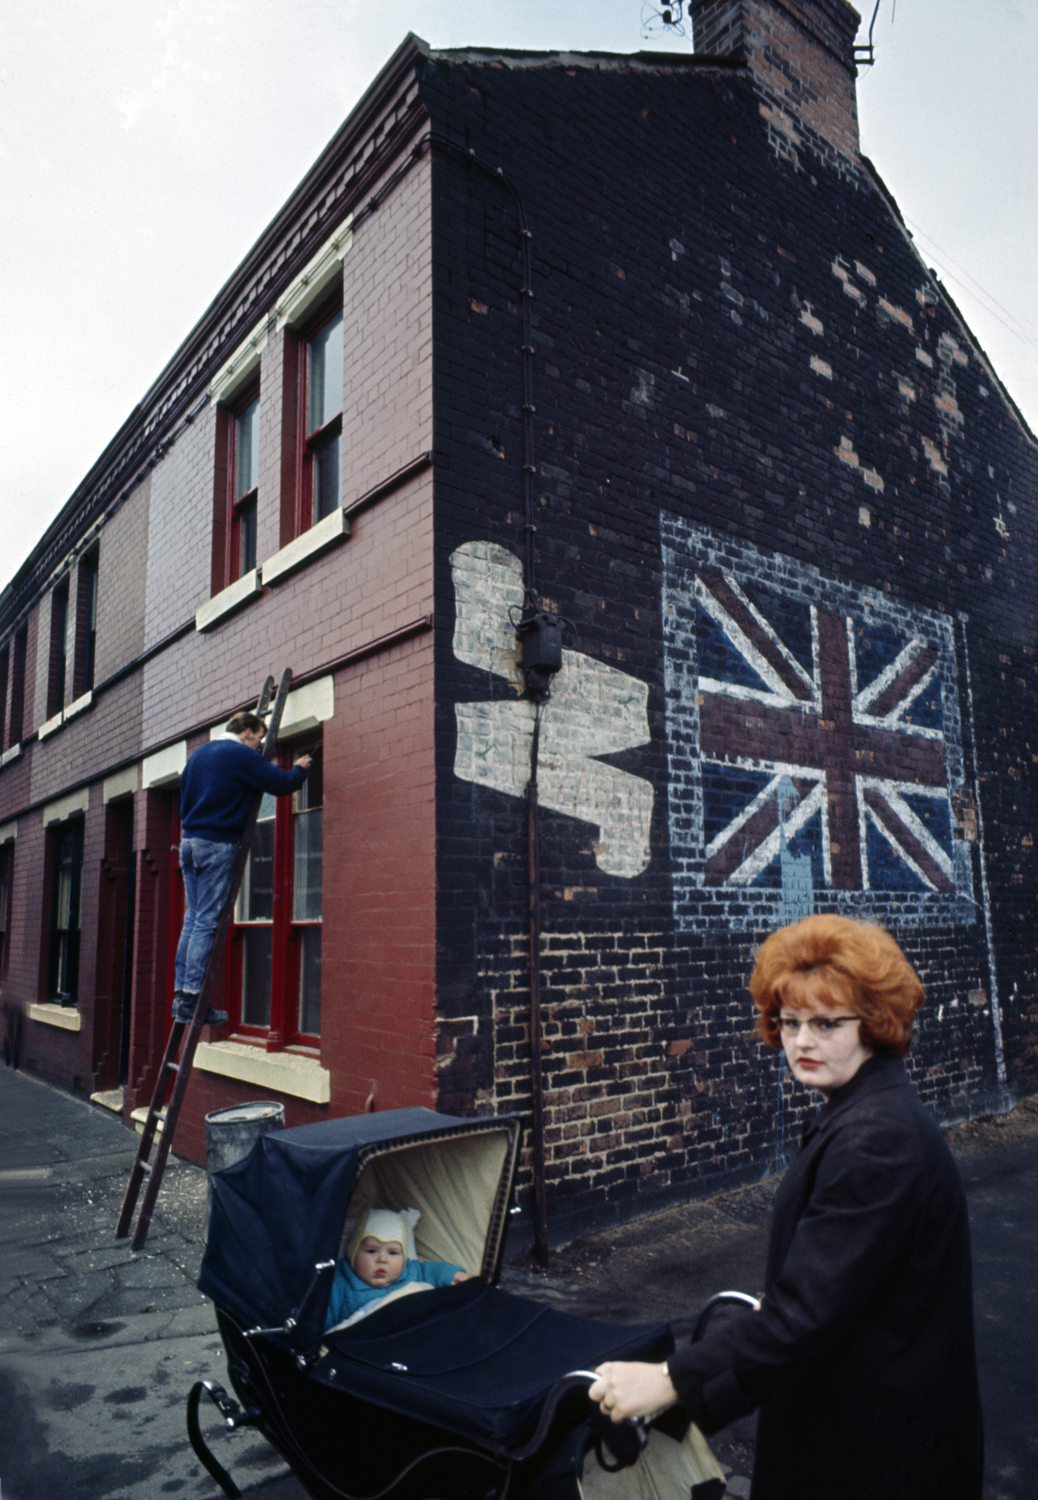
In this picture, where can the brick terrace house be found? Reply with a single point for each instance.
(643, 342)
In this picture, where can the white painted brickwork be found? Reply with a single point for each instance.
(594, 710)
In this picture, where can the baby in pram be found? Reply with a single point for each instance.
(380, 1258)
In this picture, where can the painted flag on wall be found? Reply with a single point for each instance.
(826, 727)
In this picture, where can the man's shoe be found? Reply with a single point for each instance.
(184, 1007)
(184, 1003)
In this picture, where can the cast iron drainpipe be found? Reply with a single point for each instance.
(533, 843)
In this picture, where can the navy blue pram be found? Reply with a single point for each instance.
(460, 1393)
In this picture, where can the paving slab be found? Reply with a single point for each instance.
(100, 1345)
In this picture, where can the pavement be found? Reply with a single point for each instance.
(100, 1345)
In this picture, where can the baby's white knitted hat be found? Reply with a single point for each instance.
(389, 1227)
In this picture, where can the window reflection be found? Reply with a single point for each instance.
(255, 906)
(323, 427)
(278, 912)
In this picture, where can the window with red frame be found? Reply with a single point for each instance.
(5, 668)
(275, 953)
(58, 648)
(66, 856)
(320, 378)
(6, 862)
(15, 727)
(86, 625)
(243, 479)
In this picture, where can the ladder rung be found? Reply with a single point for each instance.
(145, 1166)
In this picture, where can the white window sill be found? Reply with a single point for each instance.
(10, 755)
(228, 600)
(334, 528)
(61, 717)
(282, 1072)
(81, 704)
(65, 1017)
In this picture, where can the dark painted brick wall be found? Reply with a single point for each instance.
(732, 332)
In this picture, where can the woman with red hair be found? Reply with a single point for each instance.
(860, 1356)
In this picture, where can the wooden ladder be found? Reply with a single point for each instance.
(169, 1067)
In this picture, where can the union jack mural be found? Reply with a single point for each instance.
(813, 732)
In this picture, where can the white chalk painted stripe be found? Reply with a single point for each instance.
(780, 646)
(742, 643)
(768, 849)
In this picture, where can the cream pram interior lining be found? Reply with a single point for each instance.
(453, 1183)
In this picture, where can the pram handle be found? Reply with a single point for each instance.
(562, 1387)
(638, 1422)
(722, 1299)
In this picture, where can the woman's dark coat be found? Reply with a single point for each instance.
(861, 1358)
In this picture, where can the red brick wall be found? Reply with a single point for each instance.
(380, 885)
(379, 931)
(22, 977)
(151, 1019)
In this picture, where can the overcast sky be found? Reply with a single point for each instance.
(145, 144)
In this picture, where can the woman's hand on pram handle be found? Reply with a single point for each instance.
(625, 1389)
(460, 1276)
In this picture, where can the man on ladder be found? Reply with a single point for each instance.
(217, 788)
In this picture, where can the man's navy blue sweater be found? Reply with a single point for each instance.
(217, 785)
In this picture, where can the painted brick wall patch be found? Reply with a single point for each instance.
(594, 710)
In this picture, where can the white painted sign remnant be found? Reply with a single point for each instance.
(594, 710)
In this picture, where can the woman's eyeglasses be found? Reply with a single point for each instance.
(821, 1026)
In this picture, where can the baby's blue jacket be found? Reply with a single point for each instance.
(349, 1292)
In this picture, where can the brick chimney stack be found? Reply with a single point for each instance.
(801, 53)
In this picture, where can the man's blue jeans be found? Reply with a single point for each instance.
(207, 868)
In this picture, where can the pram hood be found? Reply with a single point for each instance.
(292, 1201)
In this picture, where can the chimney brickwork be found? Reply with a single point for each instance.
(801, 53)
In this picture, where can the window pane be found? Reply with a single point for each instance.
(246, 449)
(67, 914)
(326, 477)
(311, 793)
(64, 934)
(256, 896)
(90, 579)
(306, 890)
(64, 899)
(247, 538)
(58, 647)
(88, 582)
(310, 980)
(64, 974)
(255, 976)
(324, 377)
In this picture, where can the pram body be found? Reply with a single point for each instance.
(461, 1393)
